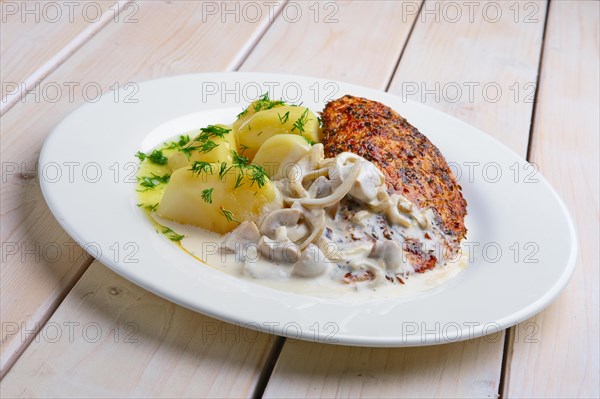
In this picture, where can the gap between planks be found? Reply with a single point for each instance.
(412, 28)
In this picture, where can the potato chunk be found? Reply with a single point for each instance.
(279, 153)
(200, 148)
(263, 103)
(262, 125)
(213, 202)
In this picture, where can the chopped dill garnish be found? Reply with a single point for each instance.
(257, 175)
(158, 157)
(207, 146)
(177, 145)
(239, 160)
(320, 121)
(239, 180)
(243, 147)
(172, 235)
(228, 215)
(199, 167)
(153, 181)
(212, 131)
(300, 122)
(141, 156)
(243, 113)
(207, 195)
(223, 169)
(187, 151)
(283, 119)
(264, 103)
(155, 156)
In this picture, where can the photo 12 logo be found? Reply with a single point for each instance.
(246, 92)
(53, 12)
(252, 11)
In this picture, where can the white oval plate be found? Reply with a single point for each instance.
(523, 241)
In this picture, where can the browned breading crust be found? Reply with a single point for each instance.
(412, 165)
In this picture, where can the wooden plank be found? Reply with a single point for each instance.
(348, 41)
(441, 51)
(37, 253)
(111, 338)
(559, 355)
(36, 36)
(453, 370)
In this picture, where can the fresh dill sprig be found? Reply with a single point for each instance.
(187, 151)
(207, 195)
(172, 235)
(199, 167)
(158, 157)
(228, 215)
(239, 160)
(141, 156)
(300, 122)
(152, 181)
(283, 119)
(207, 146)
(243, 113)
(223, 169)
(243, 147)
(177, 145)
(264, 103)
(257, 175)
(155, 156)
(239, 180)
(213, 131)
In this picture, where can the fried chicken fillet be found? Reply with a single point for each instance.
(412, 165)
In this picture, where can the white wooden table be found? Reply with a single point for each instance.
(72, 328)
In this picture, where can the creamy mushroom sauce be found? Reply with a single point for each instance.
(339, 232)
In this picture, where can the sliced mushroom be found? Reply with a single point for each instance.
(338, 194)
(394, 215)
(321, 187)
(390, 255)
(246, 232)
(368, 184)
(312, 263)
(381, 201)
(279, 251)
(289, 218)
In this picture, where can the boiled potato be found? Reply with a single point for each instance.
(279, 153)
(220, 153)
(263, 125)
(263, 103)
(206, 200)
